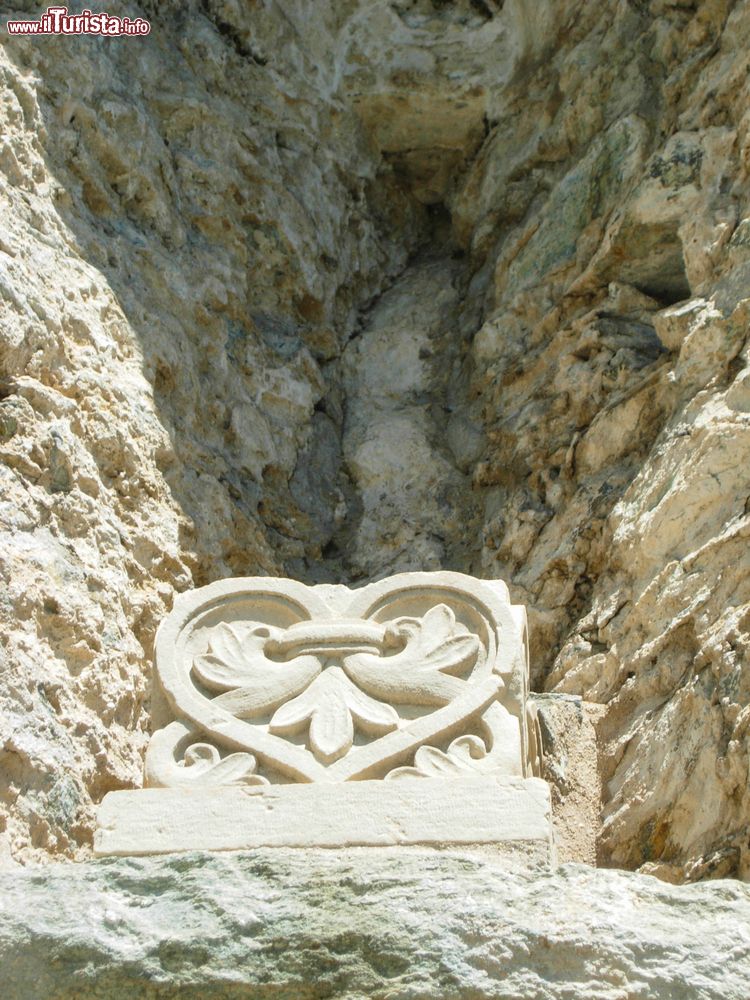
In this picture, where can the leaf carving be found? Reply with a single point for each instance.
(330, 705)
(250, 683)
(464, 754)
(174, 760)
(423, 673)
(203, 765)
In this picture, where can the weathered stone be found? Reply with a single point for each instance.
(368, 923)
(570, 763)
(396, 374)
(449, 228)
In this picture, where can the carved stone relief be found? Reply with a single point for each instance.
(421, 675)
(302, 716)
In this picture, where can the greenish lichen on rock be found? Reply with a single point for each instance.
(379, 924)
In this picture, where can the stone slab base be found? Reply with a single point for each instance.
(430, 811)
(402, 923)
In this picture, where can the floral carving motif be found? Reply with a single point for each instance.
(203, 765)
(251, 682)
(326, 680)
(330, 705)
(467, 753)
(200, 765)
(327, 684)
(424, 672)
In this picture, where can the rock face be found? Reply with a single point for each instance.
(367, 924)
(338, 289)
(406, 461)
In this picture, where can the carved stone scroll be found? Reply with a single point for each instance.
(274, 684)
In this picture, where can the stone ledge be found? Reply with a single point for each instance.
(429, 811)
(376, 923)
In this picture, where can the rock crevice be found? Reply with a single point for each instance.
(533, 216)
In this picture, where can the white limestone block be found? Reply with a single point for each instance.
(322, 716)
(438, 812)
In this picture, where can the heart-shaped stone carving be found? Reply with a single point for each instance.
(329, 684)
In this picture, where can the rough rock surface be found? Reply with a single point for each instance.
(409, 472)
(337, 288)
(571, 766)
(403, 925)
